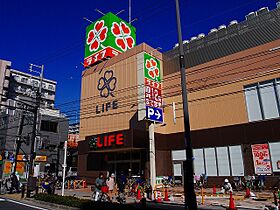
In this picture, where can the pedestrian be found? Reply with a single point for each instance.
(110, 182)
(99, 182)
(261, 181)
(121, 182)
(226, 188)
(15, 183)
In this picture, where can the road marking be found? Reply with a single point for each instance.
(1, 199)
(27, 205)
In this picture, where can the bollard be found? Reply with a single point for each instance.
(37, 190)
(202, 196)
(22, 190)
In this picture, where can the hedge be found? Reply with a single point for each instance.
(80, 203)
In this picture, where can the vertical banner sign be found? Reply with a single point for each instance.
(261, 158)
(106, 38)
(153, 89)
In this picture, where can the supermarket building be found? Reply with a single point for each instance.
(234, 102)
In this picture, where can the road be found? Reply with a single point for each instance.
(14, 205)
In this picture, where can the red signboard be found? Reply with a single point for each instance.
(73, 140)
(153, 96)
(261, 159)
(106, 141)
(108, 52)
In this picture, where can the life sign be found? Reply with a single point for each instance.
(153, 88)
(106, 38)
(106, 141)
(154, 114)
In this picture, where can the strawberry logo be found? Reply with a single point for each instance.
(123, 36)
(97, 35)
(152, 67)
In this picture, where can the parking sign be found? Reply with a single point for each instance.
(154, 114)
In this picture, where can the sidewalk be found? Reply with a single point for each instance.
(264, 199)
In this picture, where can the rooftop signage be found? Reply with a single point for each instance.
(106, 38)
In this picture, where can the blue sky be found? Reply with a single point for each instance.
(52, 32)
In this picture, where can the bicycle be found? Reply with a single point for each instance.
(102, 195)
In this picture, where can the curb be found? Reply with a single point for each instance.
(41, 204)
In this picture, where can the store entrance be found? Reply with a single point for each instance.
(128, 163)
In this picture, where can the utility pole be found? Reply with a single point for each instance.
(152, 155)
(19, 140)
(129, 11)
(35, 126)
(190, 197)
(64, 168)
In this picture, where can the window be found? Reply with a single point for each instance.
(210, 162)
(262, 100)
(35, 83)
(219, 161)
(223, 161)
(24, 80)
(275, 156)
(177, 169)
(236, 161)
(199, 167)
(51, 87)
(49, 126)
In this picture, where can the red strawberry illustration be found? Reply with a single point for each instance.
(103, 33)
(116, 29)
(152, 74)
(148, 64)
(154, 63)
(99, 25)
(156, 72)
(125, 28)
(121, 43)
(130, 42)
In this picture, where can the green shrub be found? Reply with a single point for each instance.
(62, 200)
(80, 203)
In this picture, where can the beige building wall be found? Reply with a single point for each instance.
(216, 96)
(124, 67)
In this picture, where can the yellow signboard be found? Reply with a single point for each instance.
(41, 158)
(38, 158)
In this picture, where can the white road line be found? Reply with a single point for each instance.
(1, 199)
(24, 204)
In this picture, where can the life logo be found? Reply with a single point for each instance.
(106, 87)
(107, 84)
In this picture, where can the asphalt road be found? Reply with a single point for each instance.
(14, 205)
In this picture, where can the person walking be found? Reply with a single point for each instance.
(110, 182)
(99, 182)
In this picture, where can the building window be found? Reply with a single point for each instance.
(49, 126)
(51, 87)
(275, 156)
(24, 80)
(262, 100)
(35, 83)
(214, 161)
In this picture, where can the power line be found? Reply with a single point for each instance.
(199, 70)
